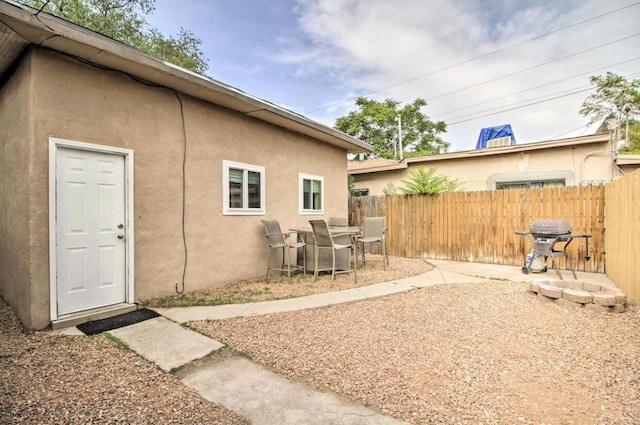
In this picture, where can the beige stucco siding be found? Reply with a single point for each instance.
(573, 164)
(15, 136)
(75, 101)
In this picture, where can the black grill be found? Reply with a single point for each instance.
(545, 235)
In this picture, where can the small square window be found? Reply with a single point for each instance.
(243, 189)
(311, 194)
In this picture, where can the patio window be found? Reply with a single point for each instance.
(243, 189)
(311, 194)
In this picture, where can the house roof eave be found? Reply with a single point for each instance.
(628, 159)
(379, 168)
(527, 147)
(54, 33)
(548, 144)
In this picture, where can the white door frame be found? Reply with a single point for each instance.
(54, 144)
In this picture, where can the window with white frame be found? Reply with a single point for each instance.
(311, 194)
(243, 189)
(530, 184)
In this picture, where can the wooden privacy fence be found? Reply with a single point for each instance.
(481, 226)
(623, 233)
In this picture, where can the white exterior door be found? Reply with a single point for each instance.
(90, 228)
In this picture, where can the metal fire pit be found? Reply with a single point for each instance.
(545, 235)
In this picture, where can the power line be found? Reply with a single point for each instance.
(570, 91)
(478, 57)
(516, 105)
(533, 67)
(520, 107)
(584, 127)
(536, 87)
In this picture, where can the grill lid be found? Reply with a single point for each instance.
(551, 227)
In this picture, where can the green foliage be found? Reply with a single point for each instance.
(352, 185)
(616, 97)
(376, 123)
(632, 145)
(390, 189)
(613, 95)
(123, 20)
(426, 182)
(117, 341)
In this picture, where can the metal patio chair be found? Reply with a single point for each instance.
(338, 222)
(324, 240)
(374, 231)
(277, 240)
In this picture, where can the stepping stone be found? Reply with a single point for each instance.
(166, 343)
(576, 296)
(551, 291)
(603, 298)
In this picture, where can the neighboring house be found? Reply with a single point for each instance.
(584, 160)
(124, 177)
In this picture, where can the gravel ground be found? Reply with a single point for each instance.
(49, 379)
(279, 287)
(458, 354)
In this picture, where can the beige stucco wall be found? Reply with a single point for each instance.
(575, 163)
(75, 101)
(15, 251)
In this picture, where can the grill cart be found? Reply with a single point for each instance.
(545, 235)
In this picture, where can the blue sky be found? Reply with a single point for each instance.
(316, 56)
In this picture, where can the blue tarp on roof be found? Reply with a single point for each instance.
(493, 133)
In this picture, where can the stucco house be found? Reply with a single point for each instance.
(587, 160)
(126, 178)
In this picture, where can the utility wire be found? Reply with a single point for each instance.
(515, 105)
(534, 88)
(509, 107)
(584, 128)
(502, 49)
(520, 107)
(533, 67)
(184, 191)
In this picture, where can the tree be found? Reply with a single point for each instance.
(123, 20)
(377, 124)
(632, 136)
(426, 182)
(615, 97)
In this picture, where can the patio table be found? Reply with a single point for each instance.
(342, 235)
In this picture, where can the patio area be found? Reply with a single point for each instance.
(477, 353)
(479, 349)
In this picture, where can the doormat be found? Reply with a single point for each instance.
(115, 322)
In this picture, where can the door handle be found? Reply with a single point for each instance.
(120, 236)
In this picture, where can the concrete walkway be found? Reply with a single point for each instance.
(445, 272)
(265, 397)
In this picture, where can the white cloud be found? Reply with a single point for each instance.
(366, 46)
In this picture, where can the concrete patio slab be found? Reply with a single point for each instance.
(267, 398)
(463, 272)
(166, 343)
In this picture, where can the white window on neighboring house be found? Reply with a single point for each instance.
(243, 189)
(530, 184)
(311, 194)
